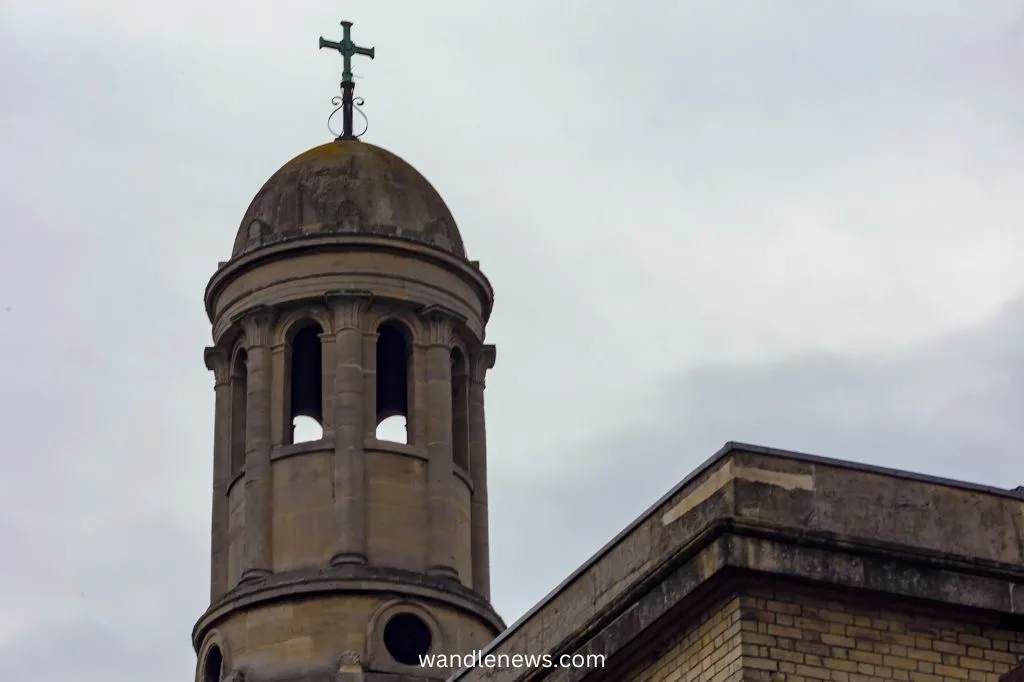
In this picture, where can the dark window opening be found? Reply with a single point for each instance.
(460, 410)
(407, 638)
(307, 395)
(214, 663)
(392, 382)
(239, 407)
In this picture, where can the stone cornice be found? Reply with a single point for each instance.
(257, 325)
(228, 270)
(348, 579)
(218, 362)
(482, 360)
(734, 553)
(856, 526)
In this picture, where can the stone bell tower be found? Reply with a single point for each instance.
(348, 300)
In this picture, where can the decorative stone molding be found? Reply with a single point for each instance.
(287, 321)
(312, 582)
(439, 325)
(400, 316)
(218, 362)
(480, 361)
(348, 308)
(238, 357)
(439, 331)
(214, 640)
(257, 325)
(377, 656)
(350, 662)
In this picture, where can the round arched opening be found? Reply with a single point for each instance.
(407, 638)
(214, 663)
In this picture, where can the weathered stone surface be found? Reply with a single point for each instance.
(347, 187)
(753, 520)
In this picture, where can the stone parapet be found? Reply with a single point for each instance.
(752, 512)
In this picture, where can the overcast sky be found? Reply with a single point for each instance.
(790, 223)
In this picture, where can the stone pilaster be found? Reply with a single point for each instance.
(258, 484)
(479, 362)
(328, 342)
(370, 385)
(348, 311)
(419, 401)
(441, 558)
(218, 362)
(280, 394)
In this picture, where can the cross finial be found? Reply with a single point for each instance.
(347, 49)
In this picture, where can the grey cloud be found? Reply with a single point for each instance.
(623, 202)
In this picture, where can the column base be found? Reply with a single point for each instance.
(348, 559)
(252, 575)
(443, 572)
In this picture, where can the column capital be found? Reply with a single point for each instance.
(481, 360)
(440, 323)
(348, 308)
(218, 362)
(256, 324)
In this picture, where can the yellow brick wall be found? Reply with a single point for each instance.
(797, 636)
(801, 635)
(707, 651)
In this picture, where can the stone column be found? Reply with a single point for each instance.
(349, 429)
(218, 362)
(258, 484)
(441, 556)
(480, 361)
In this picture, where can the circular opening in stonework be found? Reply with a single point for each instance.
(407, 638)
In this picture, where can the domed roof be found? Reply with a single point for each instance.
(347, 188)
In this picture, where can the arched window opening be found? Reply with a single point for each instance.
(239, 407)
(307, 395)
(392, 383)
(460, 410)
(214, 663)
(393, 429)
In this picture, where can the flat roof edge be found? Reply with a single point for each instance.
(727, 449)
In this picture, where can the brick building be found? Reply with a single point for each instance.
(771, 565)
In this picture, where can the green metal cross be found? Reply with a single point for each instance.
(347, 49)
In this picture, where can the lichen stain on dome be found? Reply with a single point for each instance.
(348, 187)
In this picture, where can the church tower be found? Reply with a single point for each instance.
(348, 301)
